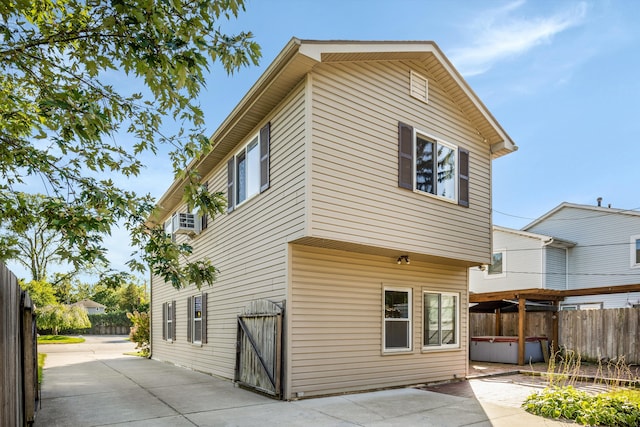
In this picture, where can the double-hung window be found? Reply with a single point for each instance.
(248, 170)
(397, 320)
(635, 251)
(441, 320)
(169, 321)
(197, 319)
(429, 165)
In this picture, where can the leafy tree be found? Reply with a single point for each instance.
(40, 291)
(57, 317)
(131, 297)
(106, 296)
(64, 123)
(30, 241)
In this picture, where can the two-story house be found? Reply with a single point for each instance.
(358, 178)
(590, 255)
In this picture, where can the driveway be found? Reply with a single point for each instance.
(95, 384)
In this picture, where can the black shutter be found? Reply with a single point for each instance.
(463, 177)
(265, 148)
(173, 323)
(189, 319)
(204, 219)
(203, 322)
(231, 166)
(405, 156)
(164, 320)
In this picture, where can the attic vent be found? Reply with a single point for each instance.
(419, 87)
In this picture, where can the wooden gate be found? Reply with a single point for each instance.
(259, 347)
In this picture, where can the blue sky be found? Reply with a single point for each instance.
(561, 77)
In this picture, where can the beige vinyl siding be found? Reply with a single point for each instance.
(336, 322)
(249, 246)
(355, 194)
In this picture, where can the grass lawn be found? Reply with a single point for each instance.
(59, 339)
(41, 357)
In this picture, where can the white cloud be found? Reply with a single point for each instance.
(498, 35)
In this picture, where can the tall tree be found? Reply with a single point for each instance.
(65, 122)
(30, 240)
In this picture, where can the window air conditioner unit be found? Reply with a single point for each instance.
(186, 223)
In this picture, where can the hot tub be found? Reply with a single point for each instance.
(505, 349)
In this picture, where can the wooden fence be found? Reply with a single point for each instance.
(537, 324)
(602, 334)
(18, 353)
(609, 334)
(259, 351)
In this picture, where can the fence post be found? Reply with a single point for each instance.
(522, 313)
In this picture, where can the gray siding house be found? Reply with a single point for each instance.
(572, 248)
(358, 179)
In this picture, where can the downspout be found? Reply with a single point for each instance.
(566, 269)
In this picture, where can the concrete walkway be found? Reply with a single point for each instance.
(94, 384)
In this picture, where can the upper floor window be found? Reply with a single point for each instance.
(397, 319)
(635, 251)
(441, 319)
(433, 166)
(498, 266)
(248, 171)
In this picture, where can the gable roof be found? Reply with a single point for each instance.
(590, 212)
(87, 303)
(544, 239)
(298, 58)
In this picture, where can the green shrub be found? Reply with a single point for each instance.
(610, 409)
(140, 332)
(113, 318)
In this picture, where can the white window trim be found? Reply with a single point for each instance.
(409, 319)
(632, 250)
(169, 322)
(504, 266)
(457, 345)
(256, 138)
(438, 141)
(195, 321)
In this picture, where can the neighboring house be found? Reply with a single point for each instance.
(585, 252)
(337, 207)
(92, 307)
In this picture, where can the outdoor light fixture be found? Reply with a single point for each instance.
(404, 258)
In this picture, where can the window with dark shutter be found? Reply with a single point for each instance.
(230, 184)
(173, 323)
(265, 142)
(405, 156)
(204, 218)
(164, 321)
(463, 177)
(204, 318)
(189, 319)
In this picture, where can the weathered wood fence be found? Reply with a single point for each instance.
(259, 347)
(602, 334)
(593, 334)
(537, 324)
(18, 353)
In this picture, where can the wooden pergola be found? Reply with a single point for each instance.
(549, 296)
